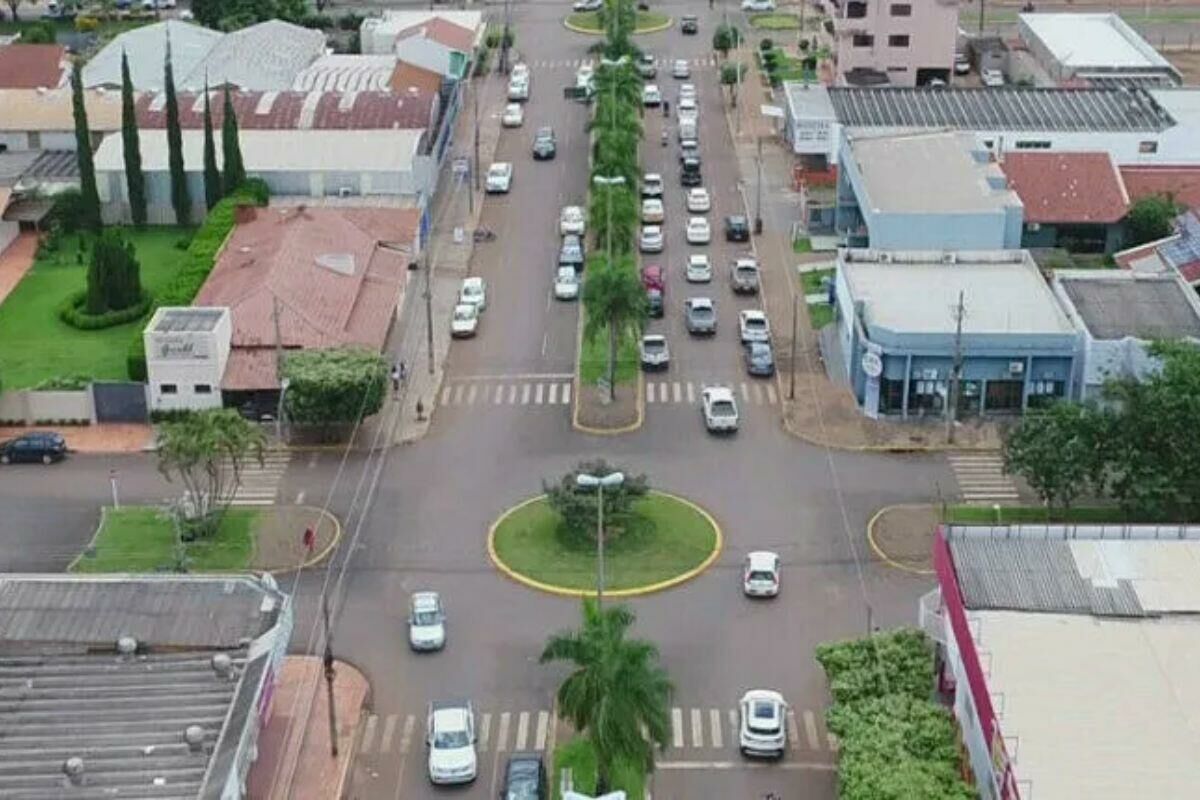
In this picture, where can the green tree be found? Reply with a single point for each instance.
(615, 153)
(730, 72)
(618, 18)
(135, 180)
(1151, 218)
(1056, 451)
(181, 197)
(90, 217)
(206, 453)
(41, 32)
(726, 38)
(231, 147)
(212, 176)
(577, 508)
(334, 388)
(114, 275)
(615, 692)
(616, 305)
(622, 213)
(620, 81)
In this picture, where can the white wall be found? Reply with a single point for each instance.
(186, 360)
(9, 231)
(426, 53)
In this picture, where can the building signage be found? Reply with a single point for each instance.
(872, 364)
(181, 348)
(872, 367)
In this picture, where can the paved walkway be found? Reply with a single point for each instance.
(105, 438)
(15, 261)
(294, 758)
(279, 544)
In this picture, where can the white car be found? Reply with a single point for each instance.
(698, 201)
(651, 239)
(514, 115)
(962, 63)
(571, 220)
(651, 96)
(698, 231)
(654, 352)
(652, 185)
(585, 74)
(450, 737)
(566, 284)
(680, 69)
(760, 574)
(753, 326)
(587, 5)
(426, 621)
(686, 107)
(518, 88)
(758, 5)
(465, 321)
(763, 731)
(473, 291)
(719, 409)
(652, 210)
(499, 177)
(519, 71)
(992, 77)
(687, 90)
(699, 268)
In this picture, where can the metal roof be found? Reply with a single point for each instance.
(1127, 304)
(1001, 109)
(177, 320)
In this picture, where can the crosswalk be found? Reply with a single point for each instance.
(699, 62)
(688, 392)
(692, 729)
(533, 390)
(981, 478)
(260, 483)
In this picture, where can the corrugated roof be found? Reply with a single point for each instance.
(294, 110)
(28, 66)
(347, 73)
(36, 110)
(266, 56)
(1067, 187)
(146, 50)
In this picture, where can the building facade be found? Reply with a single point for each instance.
(902, 43)
(186, 353)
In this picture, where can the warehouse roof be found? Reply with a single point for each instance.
(145, 48)
(1120, 304)
(1067, 187)
(268, 56)
(1082, 41)
(290, 110)
(347, 73)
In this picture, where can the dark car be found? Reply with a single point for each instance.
(760, 361)
(571, 253)
(524, 778)
(737, 229)
(689, 23)
(44, 446)
(690, 174)
(544, 145)
(654, 303)
(689, 151)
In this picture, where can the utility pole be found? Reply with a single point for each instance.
(278, 338)
(429, 307)
(956, 370)
(475, 163)
(758, 226)
(795, 345)
(982, 4)
(504, 42)
(329, 675)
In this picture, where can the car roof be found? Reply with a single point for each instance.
(698, 258)
(762, 559)
(566, 271)
(500, 165)
(700, 302)
(473, 281)
(450, 717)
(426, 600)
(466, 308)
(652, 228)
(697, 190)
(652, 176)
(719, 393)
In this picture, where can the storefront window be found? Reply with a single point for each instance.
(1043, 393)
(891, 396)
(1004, 397)
(926, 396)
(968, 398)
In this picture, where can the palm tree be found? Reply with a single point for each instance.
(616, 691)
(623, 215)
(615, 303)
(621, 82)
(612, 114)
(615, 153)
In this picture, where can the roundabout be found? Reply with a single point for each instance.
(669, 541)
(589, 22)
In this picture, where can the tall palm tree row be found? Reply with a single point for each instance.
(616, 304)
(617, 695)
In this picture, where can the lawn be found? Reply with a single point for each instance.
(668, 538)
(802, 245)
(820, 315)
(1034, 514)
(142, 539)
(589, 21)
(813, 281)
(38, 345)
(775, 22)
(580, 756)
(593, 358)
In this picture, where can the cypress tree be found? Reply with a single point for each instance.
(181, 198)
(231, 148)
(94, 300)
(135, 181)
(90, 211)
(212, 176)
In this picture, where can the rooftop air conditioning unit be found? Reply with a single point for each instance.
(1016, 368)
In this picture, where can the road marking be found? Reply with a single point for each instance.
(471, 394)
(553, 394)
(758, 394)
(520, 376)
(499, 393)
(697, 729)
(512, 394)
(733, 725)
(525, 389)
(793, 730)
(566, 393)
(522, 731)
(312, 461)
(714, 723)
(747, 765)
(537, 394)
(745, 393)
(369, 733)
(539, 739)
(676, 390)
(649, 392)
(485, 728)
(502, 734)
(677, 727)
(810, 729)
(300, 497)
(771, 394)
(690, 394)
(406, 734)
(389, 730)
(446, 392)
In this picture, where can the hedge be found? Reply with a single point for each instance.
(63, 383)
(201, 256)
(71, 312)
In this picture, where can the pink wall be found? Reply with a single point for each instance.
(932, 29)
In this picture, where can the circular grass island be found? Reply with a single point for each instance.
(670, 540)
(589, 22)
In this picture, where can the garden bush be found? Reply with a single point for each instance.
(72, 311)
(766, 44)
(63, 383)
(350, 21)
(66, 212)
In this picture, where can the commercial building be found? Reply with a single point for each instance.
(151, 686)
(1099, 49)
(33, 66)
(33, 119)
(187, 350)
(905, 43)
(1072, 654)
(924, 191)
(1121, 313)
(462, 31)
(896, 332)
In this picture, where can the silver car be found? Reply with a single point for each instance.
(654, 351)
(426, 622)
(763, 731)
(700, 316)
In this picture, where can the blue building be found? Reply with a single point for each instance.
(897, 317)
(934, 190)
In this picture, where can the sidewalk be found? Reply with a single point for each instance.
(294, 760)
(16, 261)
(109, 437)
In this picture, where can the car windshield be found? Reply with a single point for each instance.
(746, 271)
(762, 575)
(654, 346)
(702, 312)
(472, 291)
(751, 322)
(497, 171)
(723, 408)
(764, 716)
(464, 314)
(449, 740)
(427, 617)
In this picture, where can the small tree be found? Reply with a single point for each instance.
(726, 38)
(205, 452)
(83, 152)
(114, 275)
(730, 72)
(135, 181)
(231, 147)
(577, 508)
(616, 304)
(331, 388)
(181, 197)
(1054, 451)
(1151, 218)
(212, 176)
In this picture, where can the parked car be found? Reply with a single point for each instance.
(518, 88)
(651, 95)
(689, 24)
(687, 107)
(514, 115)
(698, 231)
(698, 269)
(473, 291)
(571, 220)
(524, 778)
(652, 185)
(647, 66)
(566, 284)
(571, 253)
(760, 360)
(587, 5)
(762, 731)
(760, 574)
(689, 151)
(653, 277)
(687, 90)
(719, 409)
(465, 321)
(698, 201)
(737, 228)
(44, 447)
(700, 316)
(499, 178)
(654, 303)
(544, 145)
(743, 275)
(426, 619)
(652, 210)
(758, 6)
(689, 174)
(450, 737)
(753, 326)
(680, 69)
(651, 239)
(962, 63)
(654, 352)
(992, 77)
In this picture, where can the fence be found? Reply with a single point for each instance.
(29, 407)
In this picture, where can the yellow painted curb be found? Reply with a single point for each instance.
(563, 591)
(329, 548)
(884, 557)
(600, 32)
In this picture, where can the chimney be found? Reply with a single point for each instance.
(245, 214)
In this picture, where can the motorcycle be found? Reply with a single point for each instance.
(666, 137)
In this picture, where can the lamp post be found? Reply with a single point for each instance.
(608, 183)
(283, 387)
(599, 482)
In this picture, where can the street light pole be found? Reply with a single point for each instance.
(758, 190)
(795, 345)
(597, 482)
(428, 309)
(475, 163)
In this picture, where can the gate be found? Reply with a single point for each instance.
(120, 402)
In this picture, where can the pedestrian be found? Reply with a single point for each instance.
(395, 379)
(403, 372)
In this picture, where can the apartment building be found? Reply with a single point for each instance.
(894, 42)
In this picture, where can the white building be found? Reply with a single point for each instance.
(378, 34)
(43, 119)
(186, 353)
(1098, 48)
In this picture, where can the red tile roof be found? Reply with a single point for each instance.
(334, 285)
(31, 66)
(1183, 182)
(300, 110)
(1067, 187)
(444, 32)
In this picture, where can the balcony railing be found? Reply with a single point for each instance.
(929, 616)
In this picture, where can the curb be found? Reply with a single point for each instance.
(321, 556)
(878, 551)
(90, 542)
(639, 591)
(600, 32)
(576, 382)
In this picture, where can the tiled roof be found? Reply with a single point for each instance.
(35, 110)
(1067, 187)
(28, 66)
(1182, 182)
(444, 32)
(298, 110)
(333, 283)
(347, 73)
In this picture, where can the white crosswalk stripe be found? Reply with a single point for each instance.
(533, 390)
(664, 62)
(704, 729)
(981, 478)
(659, 392)
(260, 482)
